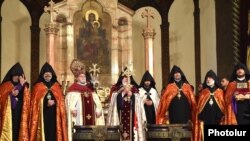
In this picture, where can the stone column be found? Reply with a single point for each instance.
(123, 44)
(148, 34)
(51, 30)
(114, 56)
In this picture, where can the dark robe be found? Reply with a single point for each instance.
(49, 117)
(177, 104)
(210, 109)
(54, 117)
(150, 110)
(170, 98)
(126, 111)
(58, 129)
(19, 106)
(179, 109)
(211, 113)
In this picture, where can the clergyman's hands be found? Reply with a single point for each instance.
(15, 92)
(129, 93)
(51, 103)
(74, 113)
(148, 102)
(98, 113)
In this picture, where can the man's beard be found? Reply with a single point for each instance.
(241, 76)
(47, 79)
(146, 86)
(15, 82)
(210, 84)
(177, 79)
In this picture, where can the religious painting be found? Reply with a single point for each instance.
(92, 32)
(92, 43)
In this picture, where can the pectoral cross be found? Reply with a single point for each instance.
(211, 102)
(50, 9)
(179, 93)
(147, 13)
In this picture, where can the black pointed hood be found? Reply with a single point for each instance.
(88, 76)
(14, 70)
(89, 79)
(213, 75)
(240, 66)
(47, 68)
(174, 70)
(147, 77)
(119, 81)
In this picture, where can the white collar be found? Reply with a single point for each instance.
(242, 78)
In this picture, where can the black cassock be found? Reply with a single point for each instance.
(49, 116)
(179, 109)
(150, 112)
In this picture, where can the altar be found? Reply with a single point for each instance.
(96, 133)
(173, 132)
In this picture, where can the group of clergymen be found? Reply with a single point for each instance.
(45, 114)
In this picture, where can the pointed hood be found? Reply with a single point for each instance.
(174, 70)
(213, 75)
(15, 70)
(147, 77)
(47, 68)
(89, 79)
(119, 81)
(240, 66)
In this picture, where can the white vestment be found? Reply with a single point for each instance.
(154, 97)
(74, 102)
(113, 116)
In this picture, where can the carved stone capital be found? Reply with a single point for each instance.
(148, 33)
(51, 28)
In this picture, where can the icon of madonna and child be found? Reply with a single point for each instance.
(92, 45)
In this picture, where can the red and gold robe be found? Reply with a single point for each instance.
(229, 98)
(169, 93)
(230, 116)
(5, 113)
(36, 122)
(203, 98)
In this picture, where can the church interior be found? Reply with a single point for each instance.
(116, 37)
(145, 35)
